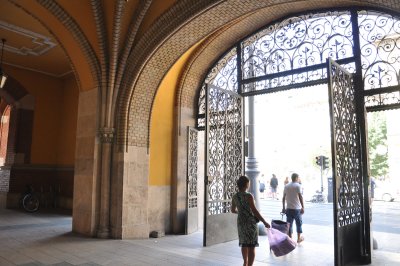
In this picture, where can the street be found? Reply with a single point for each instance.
(386, 217)
(315, 213)
(385, 220)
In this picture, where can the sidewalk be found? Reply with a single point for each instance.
(46, 239)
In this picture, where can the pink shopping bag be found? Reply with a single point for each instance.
(280, 243)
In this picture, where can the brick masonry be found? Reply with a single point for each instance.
(187, 22)
(183, 26)
(4, 179)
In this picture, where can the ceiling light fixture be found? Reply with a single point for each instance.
(3, 75)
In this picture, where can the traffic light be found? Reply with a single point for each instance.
(325, 162)
(318, 160)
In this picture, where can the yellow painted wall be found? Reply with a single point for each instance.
(161, 133)
(69, 115)
(55, 114)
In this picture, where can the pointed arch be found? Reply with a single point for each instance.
(73, 27)
(164, 43)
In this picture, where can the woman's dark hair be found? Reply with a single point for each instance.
(242, 181)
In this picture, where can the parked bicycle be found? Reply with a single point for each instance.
(30, 202)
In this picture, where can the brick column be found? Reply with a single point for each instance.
(4, 185)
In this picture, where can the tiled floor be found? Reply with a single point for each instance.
(46, 239)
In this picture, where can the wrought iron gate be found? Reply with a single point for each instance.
(224, 162)
(192, 214)
(350, 236)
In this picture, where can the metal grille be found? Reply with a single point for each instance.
(224, 140)
(291, 53)
(380, 49)
(192, 167)
(193, 202)
(383, 99)
(223, 75)
(298, 42)
(346, 148)
(201, 116)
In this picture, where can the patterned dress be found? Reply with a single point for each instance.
(246, 221)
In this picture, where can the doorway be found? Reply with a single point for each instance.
(288, 55)
(384, 155)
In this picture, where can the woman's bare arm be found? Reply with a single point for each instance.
(256, 212)
(233, 207)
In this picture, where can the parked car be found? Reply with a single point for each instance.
(385, 191)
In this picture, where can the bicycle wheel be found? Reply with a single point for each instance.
(30, 203)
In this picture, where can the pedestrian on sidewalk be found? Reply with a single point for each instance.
(286, 181)
(294, 206)
(274, 186)
(248, 217)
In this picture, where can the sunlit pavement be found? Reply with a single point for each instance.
(318, 218)
(46, 239)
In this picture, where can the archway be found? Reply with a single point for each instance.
(42, 91)
(208, 50)
(17, 109)
(294, 56)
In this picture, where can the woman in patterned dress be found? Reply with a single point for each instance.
(248, 217)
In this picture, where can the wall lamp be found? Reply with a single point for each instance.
(3, 75)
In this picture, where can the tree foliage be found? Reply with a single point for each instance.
(377, 144)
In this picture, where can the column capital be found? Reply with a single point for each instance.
(107, 134)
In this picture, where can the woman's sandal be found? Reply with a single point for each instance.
(301, 239)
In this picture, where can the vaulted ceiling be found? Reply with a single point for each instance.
(37, 41)
(55, 37)
(29, 45)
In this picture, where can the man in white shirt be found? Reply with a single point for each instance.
(294, 206)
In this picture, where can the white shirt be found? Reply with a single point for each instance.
(292, 191)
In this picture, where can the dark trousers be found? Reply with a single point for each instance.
(292, 214)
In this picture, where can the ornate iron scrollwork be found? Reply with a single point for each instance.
(347, 146)
(381, 99)
(296, 43)
(224, 73)
(224, 76)
(380, 49)
(201, 120)
(291, 53)
(224, 148)
(192, 167)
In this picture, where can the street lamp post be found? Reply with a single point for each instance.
(251, 163)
